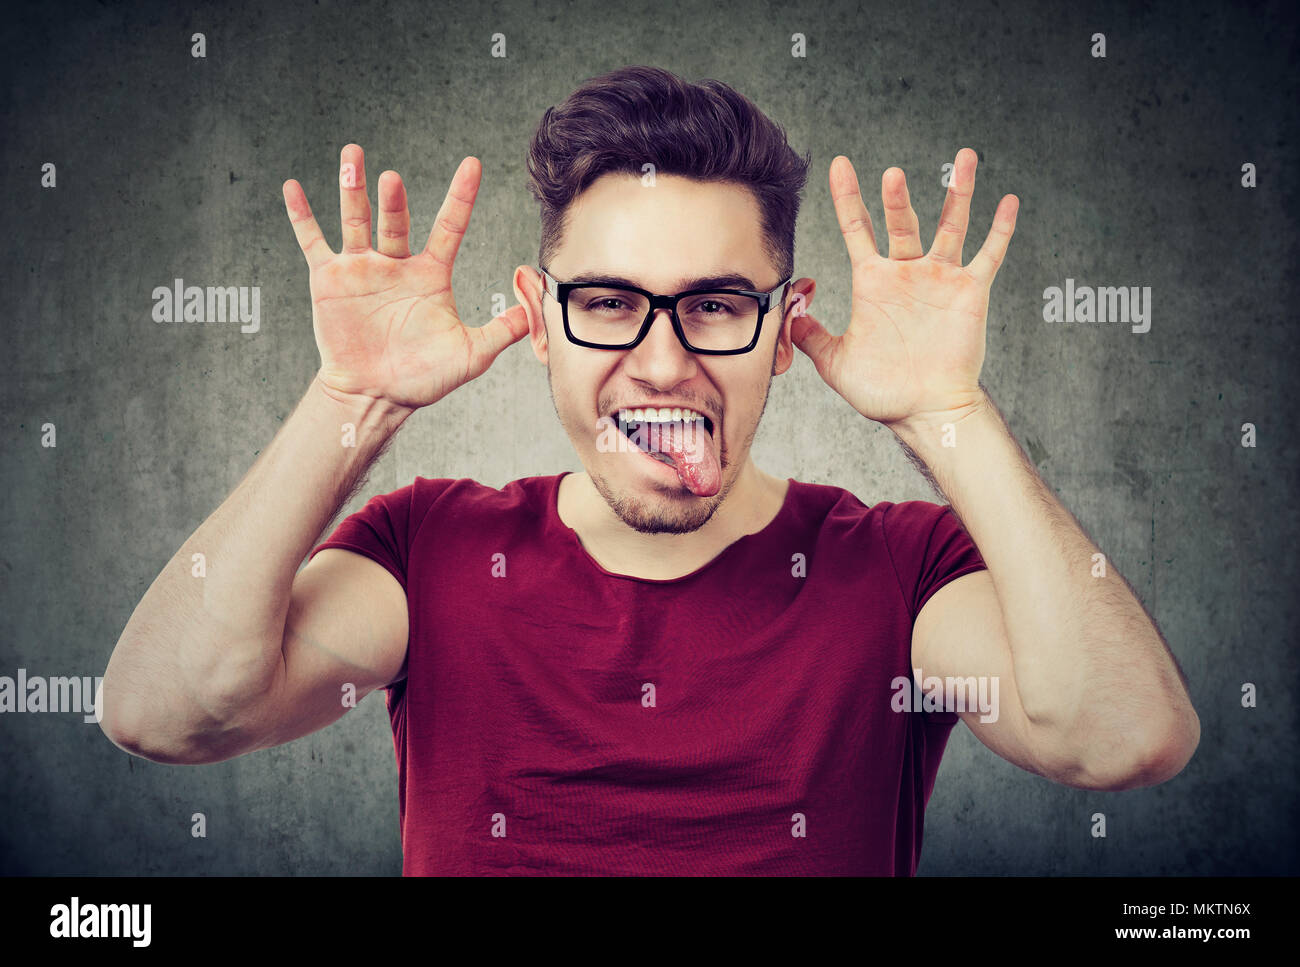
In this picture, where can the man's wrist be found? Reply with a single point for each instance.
(370, 412)
(921, 429)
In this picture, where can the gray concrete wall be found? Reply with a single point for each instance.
(1128, 169)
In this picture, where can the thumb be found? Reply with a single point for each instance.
(812, 338)
(492, 339)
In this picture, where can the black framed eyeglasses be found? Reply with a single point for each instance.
(713, 322)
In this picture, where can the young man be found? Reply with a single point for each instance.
(673, 662)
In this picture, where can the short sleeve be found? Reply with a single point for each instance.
(928, 547)
(384, 528)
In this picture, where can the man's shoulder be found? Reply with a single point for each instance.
(467, 488)
(833, 494)
(837, 507)
(465, 496)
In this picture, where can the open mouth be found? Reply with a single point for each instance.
(645, 433)
(679, 439)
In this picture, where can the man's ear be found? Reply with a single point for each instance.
(528, 290)
(801, 296)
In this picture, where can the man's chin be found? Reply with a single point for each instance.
(650, 507)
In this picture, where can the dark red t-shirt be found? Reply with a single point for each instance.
(560, 719)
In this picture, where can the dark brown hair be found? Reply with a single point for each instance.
(621, 120)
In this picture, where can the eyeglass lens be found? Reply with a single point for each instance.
(710, 320)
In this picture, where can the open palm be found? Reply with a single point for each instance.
(914, 346)
(385, 320)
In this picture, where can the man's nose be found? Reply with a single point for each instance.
(661, 358)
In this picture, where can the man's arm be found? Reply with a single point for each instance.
(252, 653)
(1089, 693)
(212, 666)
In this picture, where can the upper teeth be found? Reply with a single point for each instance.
(662, 415)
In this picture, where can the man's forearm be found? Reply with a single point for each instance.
(209, 630)
(1082, 644)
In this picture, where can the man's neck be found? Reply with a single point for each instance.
(754, 501)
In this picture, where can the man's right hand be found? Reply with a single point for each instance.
(385, 321)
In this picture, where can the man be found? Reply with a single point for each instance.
(673, 662)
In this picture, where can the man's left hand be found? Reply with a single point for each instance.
(914, 346)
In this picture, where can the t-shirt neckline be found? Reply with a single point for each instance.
(567, 533)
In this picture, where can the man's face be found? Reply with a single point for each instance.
(660, 238)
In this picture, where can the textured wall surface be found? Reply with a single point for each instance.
(1128, 169)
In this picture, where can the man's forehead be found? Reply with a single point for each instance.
(680, 244)
(722, 279)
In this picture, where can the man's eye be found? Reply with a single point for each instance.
(611, 303)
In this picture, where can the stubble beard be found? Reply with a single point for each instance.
(681, 513)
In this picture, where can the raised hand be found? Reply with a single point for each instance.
(914, 346)
(385, 321)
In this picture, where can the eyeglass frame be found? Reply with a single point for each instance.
(657, 302)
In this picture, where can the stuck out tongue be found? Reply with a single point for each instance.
(693, 456)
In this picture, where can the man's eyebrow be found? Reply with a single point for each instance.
(730, 281)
